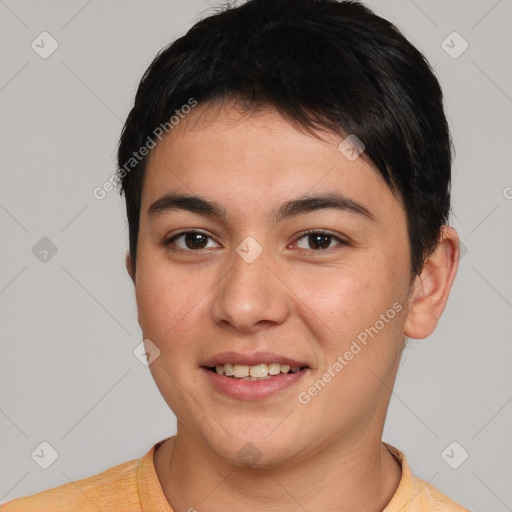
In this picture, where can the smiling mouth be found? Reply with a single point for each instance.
(255, 372)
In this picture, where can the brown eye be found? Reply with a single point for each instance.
(191, 240)
(319, 240)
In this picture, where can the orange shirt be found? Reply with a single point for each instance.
(134, 487)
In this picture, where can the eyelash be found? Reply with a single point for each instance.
(169, 241)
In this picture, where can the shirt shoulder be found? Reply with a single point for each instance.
(427, 497)
(111, 490)
(415, 495)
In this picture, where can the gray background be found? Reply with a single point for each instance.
(68, 373)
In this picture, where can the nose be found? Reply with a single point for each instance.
(251, 296)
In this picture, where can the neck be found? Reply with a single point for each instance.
(345, 475)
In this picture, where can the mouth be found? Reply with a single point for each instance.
(260, 371)
(253, 376)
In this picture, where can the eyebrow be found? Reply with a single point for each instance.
(291, 208)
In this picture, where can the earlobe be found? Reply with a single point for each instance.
(431, 288)
(129, 267)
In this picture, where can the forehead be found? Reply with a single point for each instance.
(254, 162)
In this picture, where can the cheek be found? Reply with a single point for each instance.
(356, 314)
(346, 298)
(169, 302)
(156, 301)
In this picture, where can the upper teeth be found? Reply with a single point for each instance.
(258, 370)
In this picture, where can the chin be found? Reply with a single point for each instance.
(257, 447)
(255, 455)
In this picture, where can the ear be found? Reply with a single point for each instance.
(432, 287)
(129, 266)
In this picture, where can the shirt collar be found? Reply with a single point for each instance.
(153, 498)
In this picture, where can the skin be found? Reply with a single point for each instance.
(294, 299)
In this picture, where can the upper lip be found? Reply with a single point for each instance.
(250, 359)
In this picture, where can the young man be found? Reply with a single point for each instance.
(286, 169)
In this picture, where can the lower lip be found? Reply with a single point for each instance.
(253, 389)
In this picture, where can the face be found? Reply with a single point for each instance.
(261, 280)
